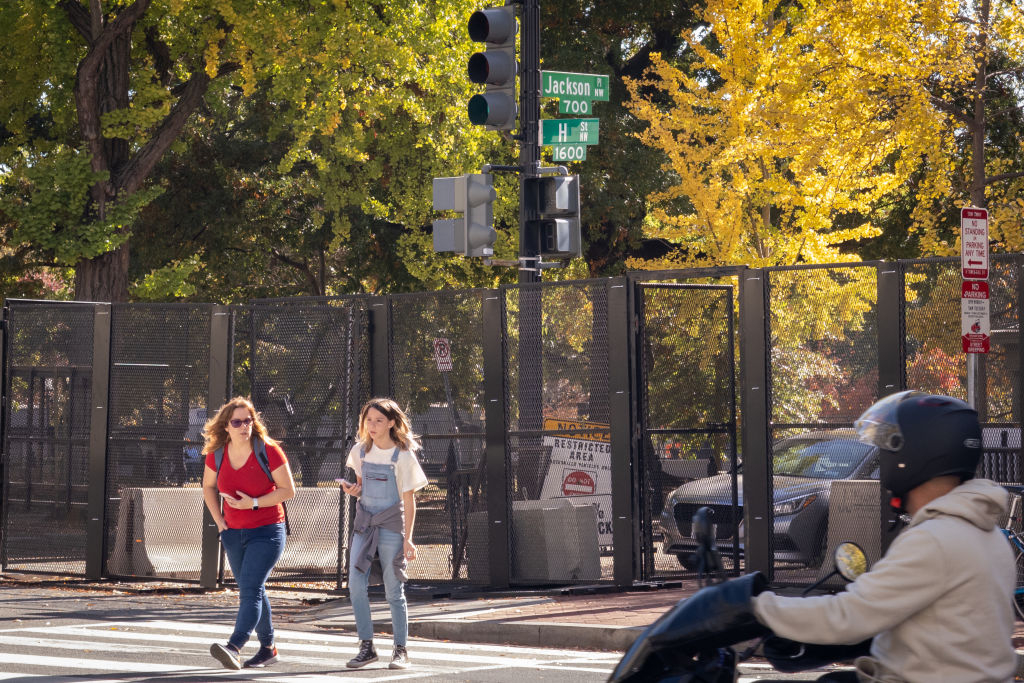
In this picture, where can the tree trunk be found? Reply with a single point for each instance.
(104, 278)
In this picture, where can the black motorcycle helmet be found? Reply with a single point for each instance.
(921, 436)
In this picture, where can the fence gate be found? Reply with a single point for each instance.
(687, 420)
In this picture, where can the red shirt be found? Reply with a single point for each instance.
(253, 481)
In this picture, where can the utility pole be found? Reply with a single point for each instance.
(529, 144)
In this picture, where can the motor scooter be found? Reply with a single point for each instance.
(693, 642)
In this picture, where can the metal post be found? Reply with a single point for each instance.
(892, 376)
(891, 366)
(380, 346)
(95, 527)
(220, 353)
(5, 391)
(529, 135)
(619, 402)
(498, 524)
(756, 449)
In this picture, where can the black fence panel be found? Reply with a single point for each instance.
(823, 370)
(159, 382)
(935, 361)
(559, 485)
(436, 351)
(686, 343)
(46, 437)
(307, 376)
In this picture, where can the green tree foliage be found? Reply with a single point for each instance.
(618, 38)
(351, 105)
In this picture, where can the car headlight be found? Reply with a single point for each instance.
(788, 507)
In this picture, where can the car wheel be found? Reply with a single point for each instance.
(819, 556)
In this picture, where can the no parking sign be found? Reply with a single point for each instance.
(443, 354)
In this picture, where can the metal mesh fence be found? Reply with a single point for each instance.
(559, 432)
(46, 440)
(308, 366)
(437, 377)
(308, 375)
(935, 361)
(687, 365)
(823, 374)
(159, 381)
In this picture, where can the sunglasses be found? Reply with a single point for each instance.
(239, 423)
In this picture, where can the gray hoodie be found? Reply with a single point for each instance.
(939, 603)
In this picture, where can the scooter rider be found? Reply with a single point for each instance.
(939, 603)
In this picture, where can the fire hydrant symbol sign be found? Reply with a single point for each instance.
(974, 318)
(443, 355)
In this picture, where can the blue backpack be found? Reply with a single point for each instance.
(260, 449)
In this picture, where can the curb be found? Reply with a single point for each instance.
(524, 634)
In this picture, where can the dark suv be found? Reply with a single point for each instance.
(804, 468)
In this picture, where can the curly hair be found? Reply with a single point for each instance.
(215, 432)
(401, 432)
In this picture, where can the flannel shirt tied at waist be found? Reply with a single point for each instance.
(368, 525)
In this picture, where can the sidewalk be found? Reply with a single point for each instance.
(605, 619)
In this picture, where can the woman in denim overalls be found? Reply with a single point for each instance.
(387, 476)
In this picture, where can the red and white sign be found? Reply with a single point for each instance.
(974, 320)
(578, 484)
(974, 243)
(443, 355)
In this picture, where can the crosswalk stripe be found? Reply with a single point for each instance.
(116, 647)
(108, 664)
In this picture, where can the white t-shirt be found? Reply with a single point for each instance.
(408, 473)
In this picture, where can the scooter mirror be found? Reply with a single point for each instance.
(850, 560)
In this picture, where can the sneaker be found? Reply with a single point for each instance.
(367, 655)
(226, 655)
(399, 658)
(266, 655)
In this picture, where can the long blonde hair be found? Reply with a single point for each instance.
(401, 432)
(215, 432)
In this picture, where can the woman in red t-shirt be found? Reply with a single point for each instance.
(252, 528)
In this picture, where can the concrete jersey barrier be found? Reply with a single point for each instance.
(159, 532)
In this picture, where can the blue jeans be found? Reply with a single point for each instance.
(389, 546)
(252, 554)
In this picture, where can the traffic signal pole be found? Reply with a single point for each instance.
(529, 132)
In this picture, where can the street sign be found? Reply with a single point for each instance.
(443, 355)
(569, 131)
(975, 329)
(575, 92)
(974, 243)
(568, 152)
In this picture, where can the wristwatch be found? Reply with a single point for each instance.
(255, 503)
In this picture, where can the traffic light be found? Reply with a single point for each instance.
(556, 202)
(495, 67)
(473, 196)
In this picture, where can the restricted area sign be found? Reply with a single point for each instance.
(974, 243)
(443, 355)
(974, 321)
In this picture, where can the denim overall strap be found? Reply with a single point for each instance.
(380, 485)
